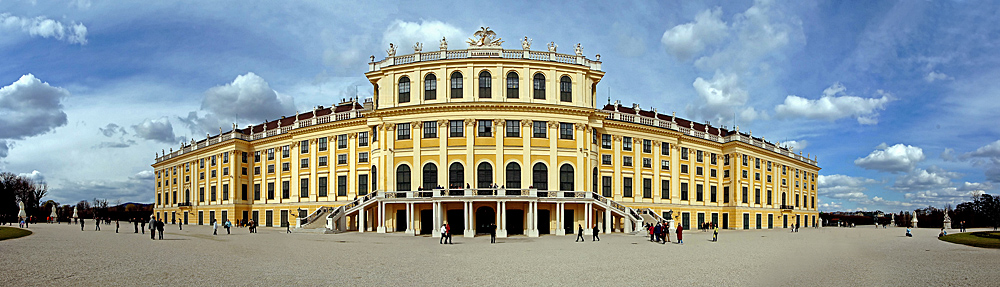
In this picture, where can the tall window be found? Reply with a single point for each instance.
(430, 87)
(538, 129)
(485, 128)
(341, 141)
(606, 141)
(321, 190)
(270, 190)
(712, 193)
(456, 85)
(456, 175)
(627, 187)
(665, 188)
(566, 131)
(430, 129)
(363, 138)
(284, 190)
(455, 128)
(513, 175)
(768, 197)
(647, 188)
(362, 184)
(513, 128)
(485, 85)
(304, 146)
(304, 187)
(566, 178)
(539, 86)
(565, 89)
(404, 89)
(403, 131)
(744, 195)
(627, 143)
(403, 178)
(540, 176)
(321, 144)
(256, 191)
(512, 85)
(699, 192)
(430, 176)
(684, 191)
(484, 175)
(342, 186)
(606, 186)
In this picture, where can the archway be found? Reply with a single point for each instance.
(484, 217)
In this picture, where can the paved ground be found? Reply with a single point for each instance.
(62, 255)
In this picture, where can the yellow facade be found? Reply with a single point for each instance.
(489, 117)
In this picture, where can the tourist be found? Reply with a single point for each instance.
(228, 225)
(116, 226)
(715, 234)
(81, 225)
(448, 232)
(444, 234)
(680, 234)
(961, 226)
(136, 222)
(159, 228)
(180, 225)
(664, 230)
(250, 226)
(579, 234)
(943, 232)
(152, 227)
(493, 233)
(596, 232)
(288, 228)
(654, 233)
(97, 224)
(215, 227)
(142, 225)
(908, 232)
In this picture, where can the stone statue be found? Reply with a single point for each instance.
(21, 213)
(579, 49)
(947, 220)
(392, 50)
(53, 215)
(914, 221)
(484, 38)
(418, 47)
(526, 43)
(598, 57)
(444, 44)
(553, 47)
(74, 213)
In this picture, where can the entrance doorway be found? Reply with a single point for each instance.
(784, 221)
(543, 221)
(284, 218)
(185, 218)
(245, 213)
(401, 220)
(568, 219)
(725, 221)
(456, 220)
(426, 221)
(484, 217)
(515, 221)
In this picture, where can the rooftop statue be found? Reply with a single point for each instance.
(484, 38)
(579, 49)
(553, 46)
(392, 50)
(526, 43)
(444, 44)
(418, 47)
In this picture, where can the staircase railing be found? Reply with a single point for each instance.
(315, 215)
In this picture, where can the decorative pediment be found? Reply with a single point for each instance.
(484, 38)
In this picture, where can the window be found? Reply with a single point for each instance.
(540, 176)
(321, 187)
(769, 197)
(363, 138)
(713, 173)
(744, 160)
(606, 141)
(342, 159)
(684, 191)
(284, 190)
(684, 153)
(538, 129)
(403, 178)
(270, 154)
(284, 151)
(430, 129)
(430, 176)
(270, 168)
(341, 141)
(484, 175)
(213, 173)
(647, 188)
(606, 186)
(539, 86)
(565, 89)
(756, 196)
(513, 128)
(363, 157)
(566, 131)
(512, 85)
(225, 171)
(627, 187)
(403, 131)
(665, 189)
(304, 147)
(456, 175)
(699, 156)
(456, 85)
(566, 178)
(256, 156)
(374, 135)
(699, 171)
(485, 128)
(513, 175)
(744, 173)
(256, 191)
(430, 87)
(684, 168)
(284, 166)
(647, 162)
(304, 188)
(270, 190)
(713, 159)
(783, 182)
(606, 159)
(342, 186)
(485, 85)
(768, 178)
(404, 89)
(225, 159)
(664, 148)
(201, 194)
(725, 194)
(627, 161)
(699, 191)
(322, 161)
(213, 164)
(647, 146)
(725, 173)
(243, 158)
(212, 193)
(744, 195)
(456, 129)
(712, 191)
(362, 184)
(768, 165)
(627, 143)
(756, 176)
(757, 164)
(665, 164)
(201, 164)
(305, 163)
(321, 144)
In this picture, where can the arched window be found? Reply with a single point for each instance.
(565, 89)
(456, 176)
(456, 85)
(404, 89)
(485, 84)
(403, 178)
(430, 87)
(513, 175)
(512, 85)
(484, 175)
(539, 86)
(430, 176)
(540, 176)
(566, 177)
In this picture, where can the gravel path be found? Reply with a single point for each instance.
(62, 255)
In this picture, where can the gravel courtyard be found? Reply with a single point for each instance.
(62, 255)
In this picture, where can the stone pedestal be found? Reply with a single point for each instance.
(947, 220)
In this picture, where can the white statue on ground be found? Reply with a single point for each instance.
(21, 213)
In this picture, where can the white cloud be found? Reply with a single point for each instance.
(405, 34)
(761, 32)
(935, 76)
(247, 100)
(29, 107)
(34, 175)
(948, 154)
(835, 104)
(796, 145)
(991, 150)
(722, 96)
(989, 156)
(159, 130)
(112, 129)
(686, 40)
(72, 32)
(920, 179)
(844, 187)
(897, 158)
(138, 187)
(830, 206)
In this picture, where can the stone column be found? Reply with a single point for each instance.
(502, 211)
(409, 219)
(607, 221)
(436, 218)
(560, 218)
(588, 226)
(361, 220)
(469, 232)
(381, 217)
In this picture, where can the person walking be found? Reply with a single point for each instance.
(448, 232)
(142, 225)
(136, 222)
(664, 230)
(228, 225)
(215, 227)
(152, 228)
(116, 225)
(81, 225)
(596, 232)
(250, 226)
(579, 234)
(654, 234)
(961, 226)
(159, 228)
(680, 234)
(493, 233)
(97, 224)
(715, 235)
(649, 229)
(444, 234)
(180, 225)
(288, 228)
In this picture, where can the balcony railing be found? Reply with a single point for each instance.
(491, 52)
(183, 204)
(785, 206)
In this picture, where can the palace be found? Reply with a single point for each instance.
(482, 136)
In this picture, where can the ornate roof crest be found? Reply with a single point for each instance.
(484, 38)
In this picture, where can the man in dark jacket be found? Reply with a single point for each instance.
(493, 233)
(596, 231)
(159, 228)
(579, 233)
(152, 228)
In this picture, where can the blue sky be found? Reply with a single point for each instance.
(895, 98)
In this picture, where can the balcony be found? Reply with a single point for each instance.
(184, 204)
(786, 207)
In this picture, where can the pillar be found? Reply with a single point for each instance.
(502, 212)
(469, 232)
(361, 220)
(560, 218)
(436, 217)
(381, 217)
(588, 226)
(607, 221)
(533, 219)
(409, 219)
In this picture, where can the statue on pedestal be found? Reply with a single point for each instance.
(947, 220)
(914, 221)
(21, 213)
(526, 43)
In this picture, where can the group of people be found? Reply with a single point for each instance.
(660, 232)
(579, 234)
